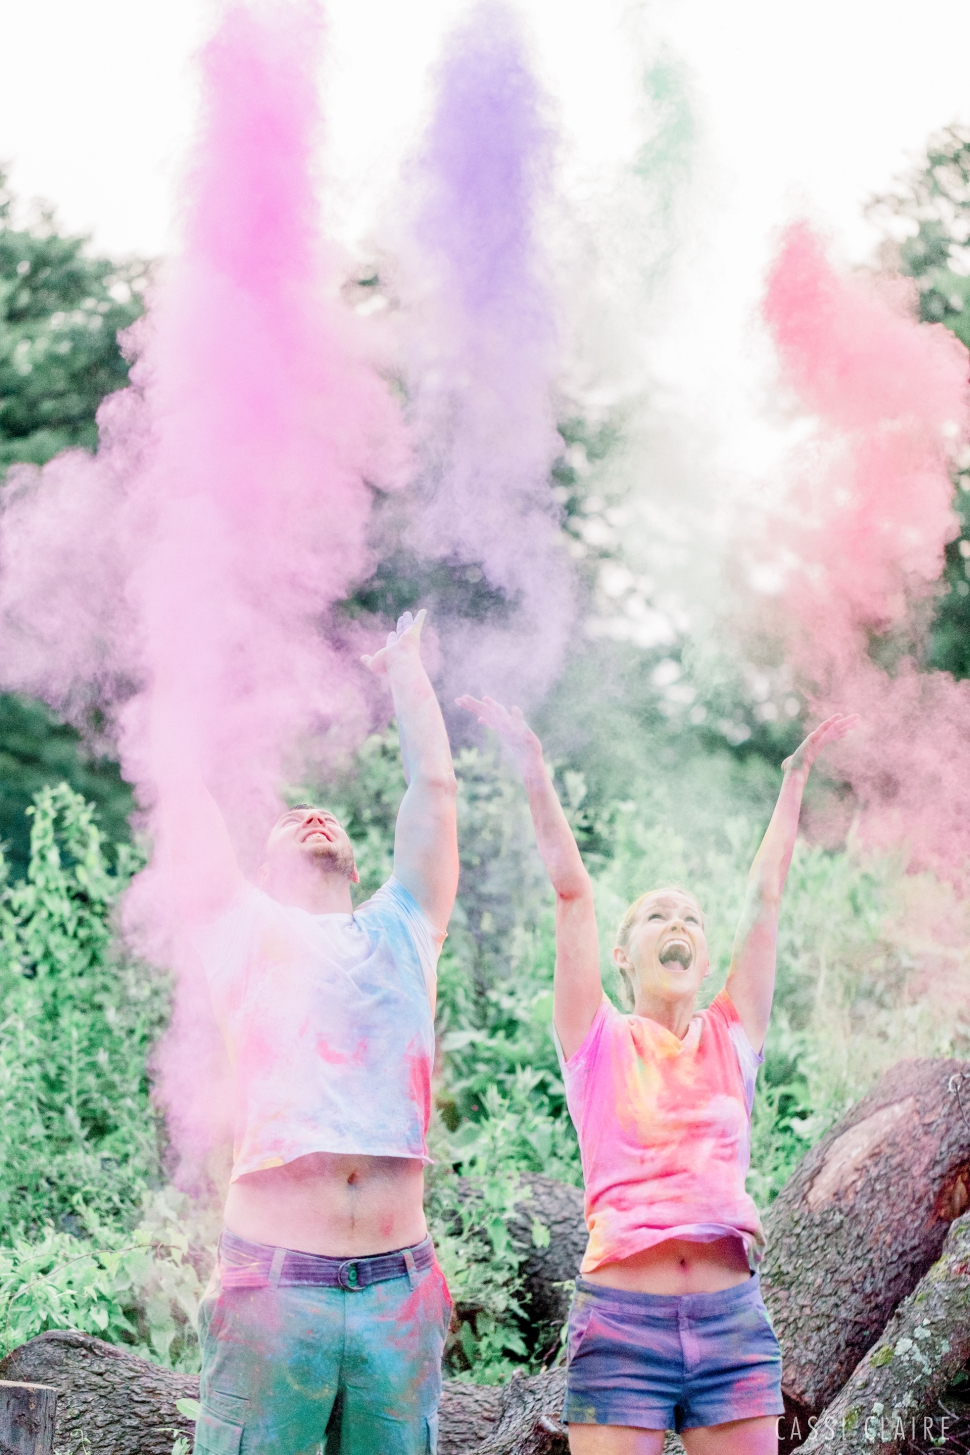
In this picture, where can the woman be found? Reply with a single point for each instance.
(668, 1328)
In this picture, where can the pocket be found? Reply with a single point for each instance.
(219, 1428)
(446, 1304)
(449, 1301)
(209, 1318)
(580, 1317)
(433, 1434)
(215, 1436)
(772, 1347)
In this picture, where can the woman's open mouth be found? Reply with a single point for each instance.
(677, 952)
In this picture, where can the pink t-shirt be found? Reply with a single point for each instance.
(664, 1131)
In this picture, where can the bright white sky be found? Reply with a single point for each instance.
(804, 107)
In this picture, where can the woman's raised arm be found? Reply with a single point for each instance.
(578, 989)
(751, 978)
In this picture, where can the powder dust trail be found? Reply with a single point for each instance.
(484, 351)
(873, 511)
(191, 566)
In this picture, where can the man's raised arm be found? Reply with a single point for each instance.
(194, 844)
(426, 838)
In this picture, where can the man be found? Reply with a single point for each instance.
(326, 1318)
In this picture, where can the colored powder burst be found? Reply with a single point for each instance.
(183, 577)
(874, 506)
(484, 353)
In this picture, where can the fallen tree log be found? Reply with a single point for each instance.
(528, 1420)
(109, 1402)
(861, 1220)
(466, 1415)
(891, 1401)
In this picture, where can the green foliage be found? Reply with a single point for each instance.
(60, 314)
(783, 1126)
(78, 1130)
(139, 1288)
(929, 215)
(482, 1267)
(84, 1243)
(36, 749)
(931, 209)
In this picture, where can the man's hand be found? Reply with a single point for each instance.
(511, 727)
(405, 639)
(830, 731)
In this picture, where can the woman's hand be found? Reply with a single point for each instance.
(511, 727)
(404, 640)
(830, 731)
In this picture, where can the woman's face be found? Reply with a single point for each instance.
(666, 951)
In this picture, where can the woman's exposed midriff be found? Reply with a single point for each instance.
(678, 1266)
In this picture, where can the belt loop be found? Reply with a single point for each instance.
(276, 1267)
(411, 1267)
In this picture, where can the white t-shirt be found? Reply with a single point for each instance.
(328, 1023)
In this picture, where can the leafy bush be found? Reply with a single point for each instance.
(78, 1130)
(138, 1287)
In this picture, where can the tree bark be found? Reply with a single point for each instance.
(114, 1403)
(890, 1404)
(466, 1415)
(861, 1219)
(109, 1402)
(529, 1420)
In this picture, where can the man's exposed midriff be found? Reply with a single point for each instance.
(335, 1205)
(678, 1266)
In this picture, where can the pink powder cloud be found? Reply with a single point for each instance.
(225, 513)
(872, 513)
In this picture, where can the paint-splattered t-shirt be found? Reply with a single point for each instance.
(664, 1131)
(328, 1022)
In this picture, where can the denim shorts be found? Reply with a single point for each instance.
(290, 1365)
(677, 1362)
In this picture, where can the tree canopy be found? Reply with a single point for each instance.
(929, 217)
(61, 309)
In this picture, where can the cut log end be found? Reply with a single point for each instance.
(27, 1418)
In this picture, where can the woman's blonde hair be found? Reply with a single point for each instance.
(626, 925)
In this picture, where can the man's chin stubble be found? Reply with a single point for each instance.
(332, 861)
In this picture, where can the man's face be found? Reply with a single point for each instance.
(311, 836)
(666, 950)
